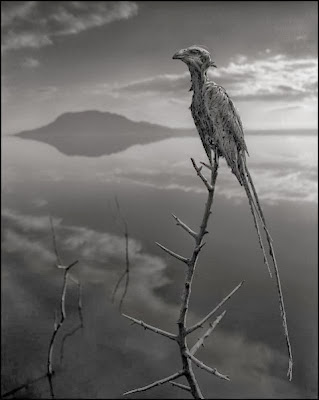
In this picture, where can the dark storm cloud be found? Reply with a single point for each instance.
(34, 24)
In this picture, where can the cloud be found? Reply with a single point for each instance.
(16, 41)
(252, 365)
(14, 242)
(283, 168)
(276, 77)
(14, 11)
(101, 254)
(35, 24)
(31, 63)
(26, 222)
(167, 83)
(273, 77)
(91, 14)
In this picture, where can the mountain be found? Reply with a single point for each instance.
(95, 133)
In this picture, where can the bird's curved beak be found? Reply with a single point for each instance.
(179, 55)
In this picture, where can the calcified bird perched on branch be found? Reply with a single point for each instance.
(221, 131)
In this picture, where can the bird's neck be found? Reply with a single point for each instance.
(198, 78)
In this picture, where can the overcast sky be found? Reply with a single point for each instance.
(117, 56)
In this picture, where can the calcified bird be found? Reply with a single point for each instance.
(220, 129)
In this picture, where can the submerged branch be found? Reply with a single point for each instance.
(126, 273)
(157, 383)
(25, 385)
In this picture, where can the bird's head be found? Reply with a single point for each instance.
(195, 56)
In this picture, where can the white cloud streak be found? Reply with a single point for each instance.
(16, 41)
(100, 253)
(274, 77)
(35, 24)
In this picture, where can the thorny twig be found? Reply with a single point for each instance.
(57, 324)
(78, 327)
(126, 273)
(25, 385)
(187, 355)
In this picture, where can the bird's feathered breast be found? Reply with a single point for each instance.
(223, 115)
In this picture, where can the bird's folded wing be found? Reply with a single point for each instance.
(222, 111)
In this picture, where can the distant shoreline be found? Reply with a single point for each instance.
(262, 132)
(94, 133)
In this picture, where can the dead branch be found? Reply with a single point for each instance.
(24, 386)
(185, 227)
(206, 368)
(172, 253)
(202, 321)
(126, 273)
(202, 177)
(181, 386)
(157, 383)
(80, 325)
(58, 324)
(187, 356)
(152, 328)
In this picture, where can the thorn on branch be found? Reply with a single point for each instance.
(172, 253)
(201, 322)
(207, 166)
(151, 328)
(205, 367)
(181, 386)
(185, 227)
(198, 248)
(72, 265)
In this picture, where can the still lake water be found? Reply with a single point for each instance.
(109, 356)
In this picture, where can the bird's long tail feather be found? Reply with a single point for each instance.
(257, 205)
(254, 203)
(253, 211)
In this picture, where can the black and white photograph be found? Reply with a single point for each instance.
(159, 199)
